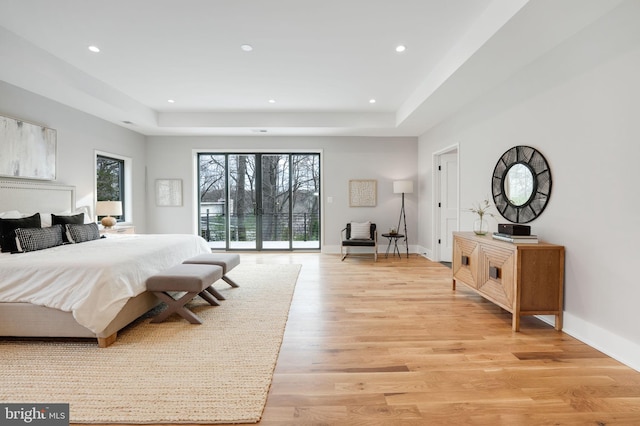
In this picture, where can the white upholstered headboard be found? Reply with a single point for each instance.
(32, 197)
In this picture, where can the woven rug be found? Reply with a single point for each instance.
(172, 372)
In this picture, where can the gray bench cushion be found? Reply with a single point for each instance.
(227, 261)
(185, 277)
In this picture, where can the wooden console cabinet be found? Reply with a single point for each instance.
(524, 279)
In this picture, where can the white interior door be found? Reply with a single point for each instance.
(448, 168)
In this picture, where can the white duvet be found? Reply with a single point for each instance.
(94, 279)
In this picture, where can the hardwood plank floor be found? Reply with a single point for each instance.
(389, 343)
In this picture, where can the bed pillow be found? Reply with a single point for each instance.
(361, 231)
(11, 214)
(77, 219)
(8, 230)
(45, 220)
(32, 239)
(81, 233)
(82, 209)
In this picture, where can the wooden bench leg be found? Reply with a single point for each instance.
(230, 281)
(176, 306)
(208, 296)
(214, 293)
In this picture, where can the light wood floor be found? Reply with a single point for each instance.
(389, 343)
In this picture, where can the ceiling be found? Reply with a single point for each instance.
(319, 62)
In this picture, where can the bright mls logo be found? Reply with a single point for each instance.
(34, 414)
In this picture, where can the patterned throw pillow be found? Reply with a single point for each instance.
(361, 231)
(32, 239)
(77, 219)
(81, 233)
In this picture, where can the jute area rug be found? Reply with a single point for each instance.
(173, 372)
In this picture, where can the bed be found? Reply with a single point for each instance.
(91, 289)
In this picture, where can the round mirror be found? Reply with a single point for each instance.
(518, 184)
(521, 184)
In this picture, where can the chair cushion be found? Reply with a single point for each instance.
(360, 231)
(359, 243)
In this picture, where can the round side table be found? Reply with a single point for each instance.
(393, 238)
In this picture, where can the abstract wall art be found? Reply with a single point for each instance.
(27, 150)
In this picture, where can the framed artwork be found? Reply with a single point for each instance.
(169, 192)
(363, 192)
(27, 150)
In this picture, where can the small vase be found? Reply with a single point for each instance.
(480, 226)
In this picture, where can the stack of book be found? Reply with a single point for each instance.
(518, 239)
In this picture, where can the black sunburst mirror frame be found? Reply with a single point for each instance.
(541, 190)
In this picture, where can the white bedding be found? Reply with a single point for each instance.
(94, 279)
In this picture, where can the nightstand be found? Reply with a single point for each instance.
(125, 229)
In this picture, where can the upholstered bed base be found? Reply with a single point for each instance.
(27, 320)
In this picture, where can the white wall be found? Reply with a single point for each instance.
(78, 136)
(344, 158)
(578, 105)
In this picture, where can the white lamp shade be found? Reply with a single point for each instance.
(403, 187)
(109, 208)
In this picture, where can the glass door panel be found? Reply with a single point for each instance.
(275, 212)
(305, 199)
(243, 210)
(212, 178)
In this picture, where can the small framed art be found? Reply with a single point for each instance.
(169, 192)
(363, 192)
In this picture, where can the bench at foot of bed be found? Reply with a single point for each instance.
(193, 279)
(227, 261)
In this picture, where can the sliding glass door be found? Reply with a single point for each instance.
(260, 201)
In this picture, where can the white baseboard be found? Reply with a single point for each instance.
(618, 348)
(424, 252)
(382, 248)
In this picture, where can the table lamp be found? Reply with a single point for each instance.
(108, 208)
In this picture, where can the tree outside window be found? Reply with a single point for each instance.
(110, 181)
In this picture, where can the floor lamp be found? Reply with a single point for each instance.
(403, 187)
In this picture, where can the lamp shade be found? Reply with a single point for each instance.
(109, 208)
(403, 187)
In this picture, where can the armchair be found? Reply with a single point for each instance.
(359, 235)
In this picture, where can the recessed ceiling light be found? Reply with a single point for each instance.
(272, 101)
(372, 101)
(94, 49)
(171, 101)
(246, 47)
(401, 48)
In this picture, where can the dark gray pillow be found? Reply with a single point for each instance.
(77, 219)
(8, 230)
(32, 239)
(81, 233)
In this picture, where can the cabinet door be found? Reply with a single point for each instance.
(496, 275)
(465, 260)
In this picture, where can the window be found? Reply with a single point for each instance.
(256, 201)
(110, 182)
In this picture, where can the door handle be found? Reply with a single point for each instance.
(494, 272)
